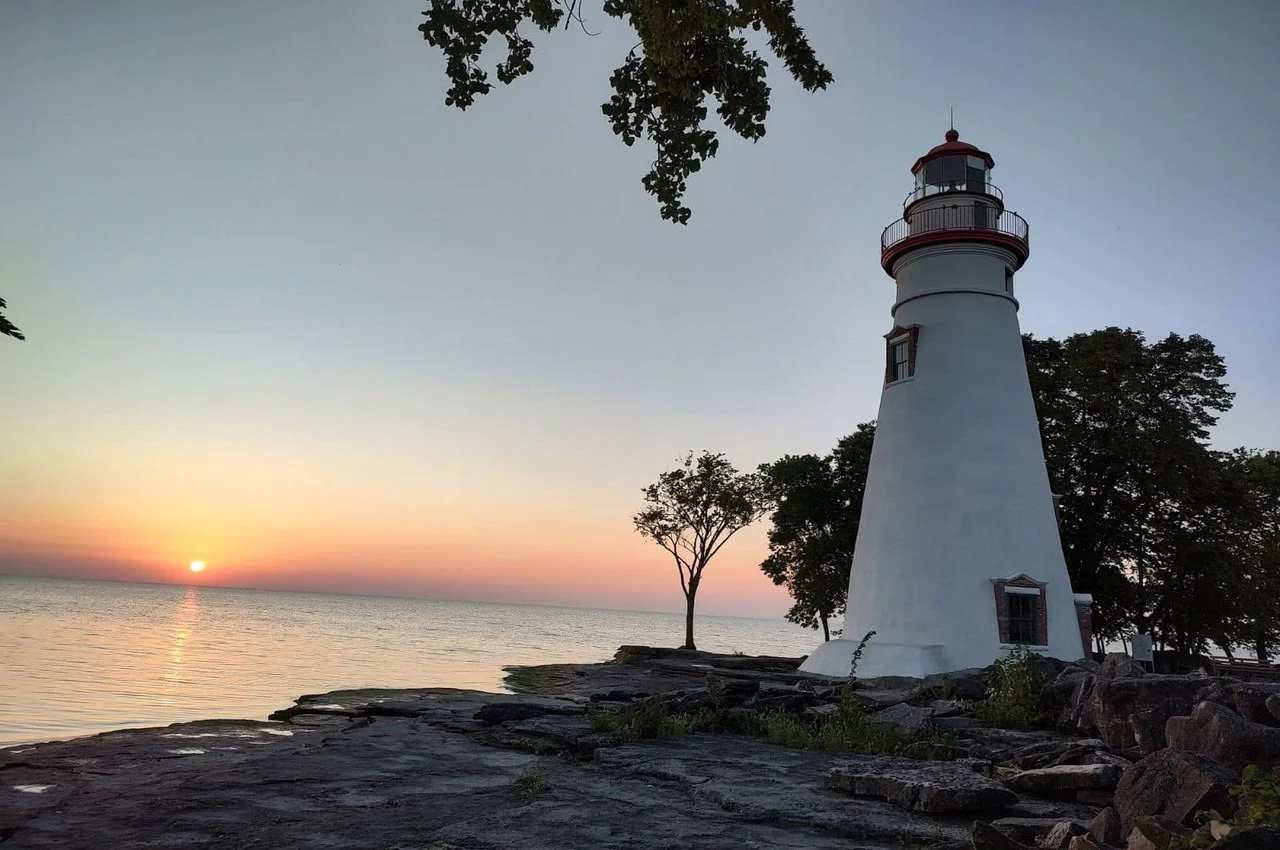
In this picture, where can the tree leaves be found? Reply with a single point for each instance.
(817, 505)
(8, 328)
(689, 51)
(462, 28)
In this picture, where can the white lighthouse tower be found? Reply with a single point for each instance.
(958, 557)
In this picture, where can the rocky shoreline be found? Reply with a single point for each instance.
(1134, 757)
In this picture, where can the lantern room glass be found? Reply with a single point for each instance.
(954, 173)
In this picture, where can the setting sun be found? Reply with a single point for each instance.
(196, 566)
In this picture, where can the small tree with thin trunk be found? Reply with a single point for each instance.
(693, 510)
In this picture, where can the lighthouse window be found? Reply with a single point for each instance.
(1023, 617)
(899, 358)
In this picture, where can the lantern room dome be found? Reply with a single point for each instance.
(953, 145)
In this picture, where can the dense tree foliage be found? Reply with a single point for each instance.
(687, 52)
(693, 510)
(7, 328)
(1124, 425)
(1171, 537)
(817, 502)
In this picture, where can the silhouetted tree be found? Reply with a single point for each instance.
(1257, 545)
(7, 328)
(693, 510)
(817, 503)
(687, 51)
(1125, 425)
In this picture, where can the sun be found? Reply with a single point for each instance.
(196, 566)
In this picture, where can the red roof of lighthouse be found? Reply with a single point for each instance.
(952, 145)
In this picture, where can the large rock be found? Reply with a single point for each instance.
(1273, 706)
(527, 708)
(1105, 826)
(1059, 838)
(1251, 701)
(1174, 784)
(1118, 665)
(1154, 834)
(1066, 778)
(987, 837)
(932, 787)
(1070, 692)
(908, 717)
(1148, 725)
(1224, 736)
(1116, 702)
(1031, 830)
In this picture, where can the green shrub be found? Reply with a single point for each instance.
(1257, 799)
(528, 787)
(1016, 696)
(642, 720)
(1257, 804)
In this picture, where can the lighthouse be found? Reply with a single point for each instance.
(958, 558)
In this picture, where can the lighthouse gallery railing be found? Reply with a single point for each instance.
(975, 217)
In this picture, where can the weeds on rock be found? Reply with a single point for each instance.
(1257, 799)
(717, 692)
(849, 729)
(849, 702)
(526, 680)
(528, 787)
(1015, 693)
(1257, 804)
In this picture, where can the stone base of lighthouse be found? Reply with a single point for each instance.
(835, 658)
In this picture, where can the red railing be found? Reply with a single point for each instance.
(970, 217)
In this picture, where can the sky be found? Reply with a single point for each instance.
(289, 314)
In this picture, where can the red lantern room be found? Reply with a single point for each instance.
(953, 200)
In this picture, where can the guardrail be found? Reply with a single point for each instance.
(948, 186)
(972, 217)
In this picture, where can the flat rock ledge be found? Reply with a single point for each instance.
(934, 787)
(435, 768)
(447, 769)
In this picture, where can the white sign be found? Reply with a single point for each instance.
(1141, 645)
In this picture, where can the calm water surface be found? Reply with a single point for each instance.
(85, 656)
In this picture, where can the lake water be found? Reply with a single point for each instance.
(85, 656)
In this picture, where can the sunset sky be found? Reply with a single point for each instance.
(290, 315)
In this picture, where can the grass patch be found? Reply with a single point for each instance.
(850, 729)
(527, 680)
(528, 787)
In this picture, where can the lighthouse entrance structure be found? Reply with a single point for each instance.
(958, 557)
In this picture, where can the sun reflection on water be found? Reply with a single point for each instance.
(185, 615)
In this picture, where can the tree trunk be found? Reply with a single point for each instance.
(826, 630)
(688, 617)
(1260, 649)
